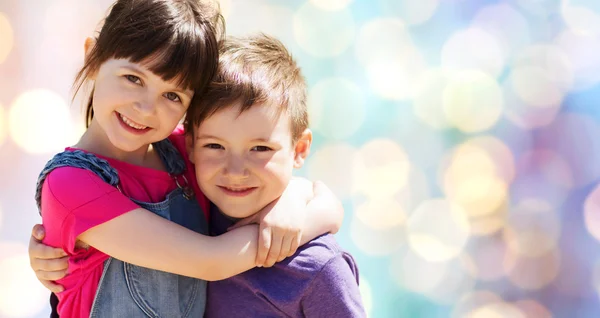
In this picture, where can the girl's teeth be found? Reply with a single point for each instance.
(132, 124)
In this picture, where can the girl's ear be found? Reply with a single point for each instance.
(302, 148)
(88, 45)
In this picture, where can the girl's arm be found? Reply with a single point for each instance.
(143, 238)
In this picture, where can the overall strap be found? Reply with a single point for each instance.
(76, 159)
(170, 157)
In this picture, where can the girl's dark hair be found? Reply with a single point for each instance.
(176, 39)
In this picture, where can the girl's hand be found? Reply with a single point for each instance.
(303, 212)
(48, 263)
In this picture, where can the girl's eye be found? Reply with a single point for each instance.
(172, 97)
(261, 148)
(134, 79)
(213, 146)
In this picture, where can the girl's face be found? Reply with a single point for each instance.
(134, 107)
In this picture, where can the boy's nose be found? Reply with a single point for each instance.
(235, 169)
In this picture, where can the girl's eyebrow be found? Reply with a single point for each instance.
(141, 72)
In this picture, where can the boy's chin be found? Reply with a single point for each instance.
(238, 213)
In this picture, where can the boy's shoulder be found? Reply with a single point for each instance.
(311, 258)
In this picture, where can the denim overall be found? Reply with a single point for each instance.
(126, 290)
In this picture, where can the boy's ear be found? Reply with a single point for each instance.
(302, 148)
(189, 146)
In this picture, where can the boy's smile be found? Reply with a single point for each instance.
(244, 161)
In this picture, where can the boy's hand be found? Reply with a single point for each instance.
(48, 263)
(281, 223)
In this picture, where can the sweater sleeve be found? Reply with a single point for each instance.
(75, 200)
(334, 291)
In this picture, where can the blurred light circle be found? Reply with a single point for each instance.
(323, 33)
(522, 114)
(488, 253)
(442, 282)
(532, 308)
(471, 180)
(472, 101)
(381, 40)
(533, 228)
(541, 76)
(581, 156)
(376, 242)
(443, 239)
(499, 309)
(391, 60)
(473, 49)
(366, 294)
(542, 8)
(427, 104)
(473, 300)
(332, 99)
(21, 294)
(416, 190)
(580, 48)
(506, 24)
(488, 224)
(6, 37)
(382, 213)
(532, 273)
(381, 169)
(40, 122)
(596, 277)
(394, 79)
(3, 125)
(271, 19)
(331, 5)
(497, 151)
(581, 19)
(412, 12)
(331, 164)
(534, 87)
(591, 210)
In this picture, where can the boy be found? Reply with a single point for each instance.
(245, 140)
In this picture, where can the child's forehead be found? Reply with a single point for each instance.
(259, 119)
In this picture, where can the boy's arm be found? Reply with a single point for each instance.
(334, 292)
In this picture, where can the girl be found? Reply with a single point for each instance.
(121, 202)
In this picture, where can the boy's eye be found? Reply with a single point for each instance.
(172, 97)
(134, 79)
(261, 148)
(213, 146)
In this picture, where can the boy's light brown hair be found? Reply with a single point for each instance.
(254, 70)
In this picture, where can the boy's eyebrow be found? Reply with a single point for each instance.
(205, 136)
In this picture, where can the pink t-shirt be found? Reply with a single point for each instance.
(75, 200)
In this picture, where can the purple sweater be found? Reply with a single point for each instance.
(320, 280)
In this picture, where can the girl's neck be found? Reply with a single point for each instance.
(95, 140)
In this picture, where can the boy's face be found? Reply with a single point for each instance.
(245, 161)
